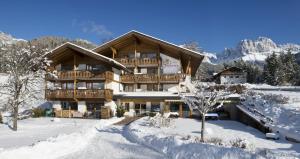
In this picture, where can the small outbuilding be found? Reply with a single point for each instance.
(231, 75)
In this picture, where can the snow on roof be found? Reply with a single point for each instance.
(107, 59)
(149, 36)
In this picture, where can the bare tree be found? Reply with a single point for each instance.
(23, 64)
(203, 99)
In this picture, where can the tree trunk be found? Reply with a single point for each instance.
(203, 127)
(15, 118)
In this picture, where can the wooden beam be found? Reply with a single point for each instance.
(188, 67)
(74, 69)
(114, 52)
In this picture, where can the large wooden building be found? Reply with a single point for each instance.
(135, 71)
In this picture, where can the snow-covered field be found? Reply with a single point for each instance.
(42, 138)
(285, 114)
(33, 130)
(70, 138)
(178, 141)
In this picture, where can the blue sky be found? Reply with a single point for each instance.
(214, 24)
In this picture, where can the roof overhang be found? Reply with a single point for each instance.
(184, 54)
(60, 50)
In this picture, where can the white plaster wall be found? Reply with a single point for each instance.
(131, 105)
(115, 85)
(112, 105)
(162, 106)
(148, 106)
(56, 105)
(225, 79)
(82, 106)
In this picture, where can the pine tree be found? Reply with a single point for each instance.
(271, 74)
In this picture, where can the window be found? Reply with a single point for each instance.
(95, 68)
(81, 67)
(127, 106)
(64, 85)
(66, 67)
(237, 76)
(230, 76)
(69, 105)
(88, 85)
(58, 67)
(70, 85)
(128, 88)
(155, 107)
(81, 85)
(98, 85)
(92, 106)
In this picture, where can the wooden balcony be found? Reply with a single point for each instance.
(142, 62)
(84, 75)
(126, 61)
(79, 94)
(171, 78)
(147, 62)
(148, 78)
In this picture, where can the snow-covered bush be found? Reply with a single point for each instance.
(239, 143)
(160, 121)
(215, 141)
(38, 112)
(280, 99)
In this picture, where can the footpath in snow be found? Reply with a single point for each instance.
(100, 140)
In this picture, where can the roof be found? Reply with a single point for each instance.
(137, 33)
(171, 49)
(231, 69)
(60, 49)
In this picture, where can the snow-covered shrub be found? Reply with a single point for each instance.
(215, 141)
(38, 112)
(160, 121)
(120, 111)
(280, 99)
(240, 143)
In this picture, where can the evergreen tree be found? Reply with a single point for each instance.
(271, 70)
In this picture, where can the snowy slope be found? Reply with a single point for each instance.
(255, 50)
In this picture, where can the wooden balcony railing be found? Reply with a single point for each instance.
(140, 62)
(148, 78)
(80, 94)
(171, 78)
(147, 62)
(70, 75)
(127, 62)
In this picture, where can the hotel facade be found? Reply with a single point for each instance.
(135, 71)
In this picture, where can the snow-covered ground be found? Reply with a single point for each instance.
(285, 113)
(33, 130)
(178, 141)
(41, 138)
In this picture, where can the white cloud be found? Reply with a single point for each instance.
(92, 27)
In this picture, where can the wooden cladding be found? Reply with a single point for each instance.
(71, 75)
(148, 78)
(80, 94)
(138, 62)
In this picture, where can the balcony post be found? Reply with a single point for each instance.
(158, 69)
(74, 62)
